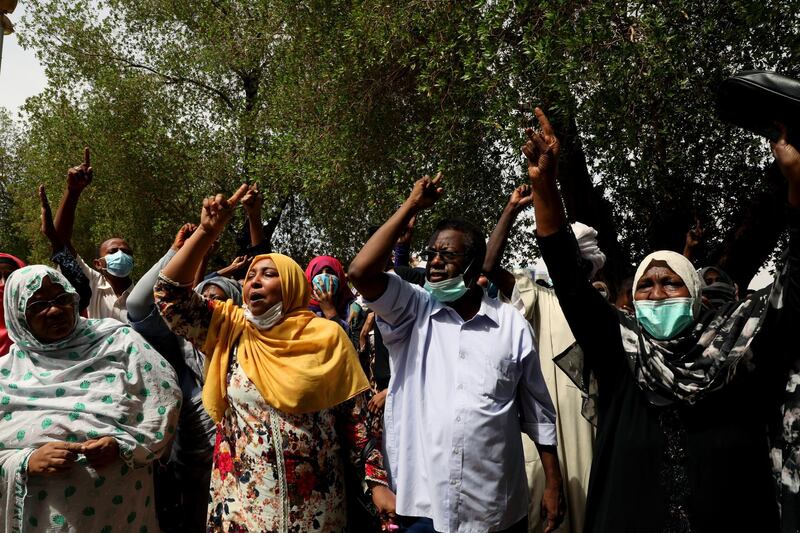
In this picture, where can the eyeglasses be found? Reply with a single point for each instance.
(62, 300)
(448, 257)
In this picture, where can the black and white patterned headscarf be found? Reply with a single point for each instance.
(707, 354)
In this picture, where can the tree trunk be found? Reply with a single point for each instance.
(585, 203)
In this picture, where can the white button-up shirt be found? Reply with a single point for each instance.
(104, 303)
(460, 395)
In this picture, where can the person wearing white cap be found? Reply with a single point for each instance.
(539, 305)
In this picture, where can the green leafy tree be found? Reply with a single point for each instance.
(336, 107)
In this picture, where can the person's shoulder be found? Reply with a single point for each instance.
(504, 310)
(324, 327)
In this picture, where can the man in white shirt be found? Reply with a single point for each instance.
(110, 279)
(466, 382)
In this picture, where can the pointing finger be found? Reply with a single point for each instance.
(437, 178)
(43, 198)
(233, 200)
(86, 162)
(547, 129)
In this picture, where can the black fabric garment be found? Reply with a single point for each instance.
(69, 266)
(411, 275)
(380, 369)
(700, 467)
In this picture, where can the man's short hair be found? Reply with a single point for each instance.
(474, 239)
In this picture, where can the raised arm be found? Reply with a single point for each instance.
(217, 211)
(788, 158)
(62, 257)
(367, 268)
(593, 321)
(253, 201)
(694, 239)
(520, 199)
(78, 178)
(140, 301)
(542, 152)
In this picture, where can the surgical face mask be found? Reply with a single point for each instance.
(664, 319)
(326, 283)
(267, 319)
(448, 290)
(119, 264)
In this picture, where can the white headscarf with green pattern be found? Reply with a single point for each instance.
(103, 379)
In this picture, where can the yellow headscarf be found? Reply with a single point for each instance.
(300, 365)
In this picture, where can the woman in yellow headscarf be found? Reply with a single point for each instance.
(284, 386)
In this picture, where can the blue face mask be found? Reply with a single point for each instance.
(664, 319)
(119, 264)
(448, 290)
(326, 283)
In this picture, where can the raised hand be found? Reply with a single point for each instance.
(408, 233)
(53, 458)
(253, 200)
(426, 191)
(81, 176)
(235, 265)
(694, 237)
(542, 151)
(520, 198)
(183, 234)
(786, 155)
(47, 228)
(788, 159)
(101, 452)
(327, 302)
(217, 210)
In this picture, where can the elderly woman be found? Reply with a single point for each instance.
(684, 395)
(285, 388)
(87, 406)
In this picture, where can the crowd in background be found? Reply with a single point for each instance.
(420, 392)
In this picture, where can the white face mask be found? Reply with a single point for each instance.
(267, 319)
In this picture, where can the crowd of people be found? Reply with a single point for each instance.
(449, 396)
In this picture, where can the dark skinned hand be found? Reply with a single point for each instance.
(553, 507)
(694, 237)
(426, 191)
(47, 227)
(253, 200)
(520, 198)
(78, 178)
(408, 233)
(183, 234)
(542, 151)
(101, 452)
(53, 458)
(218, 210)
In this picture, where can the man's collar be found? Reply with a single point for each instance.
(486, 309)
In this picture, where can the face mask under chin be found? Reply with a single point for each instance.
(448, 290)
(267, 319)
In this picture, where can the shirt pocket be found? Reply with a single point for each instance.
(500, 378)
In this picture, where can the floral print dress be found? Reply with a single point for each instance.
(274, 471)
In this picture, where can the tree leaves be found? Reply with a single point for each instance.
(340, 106)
